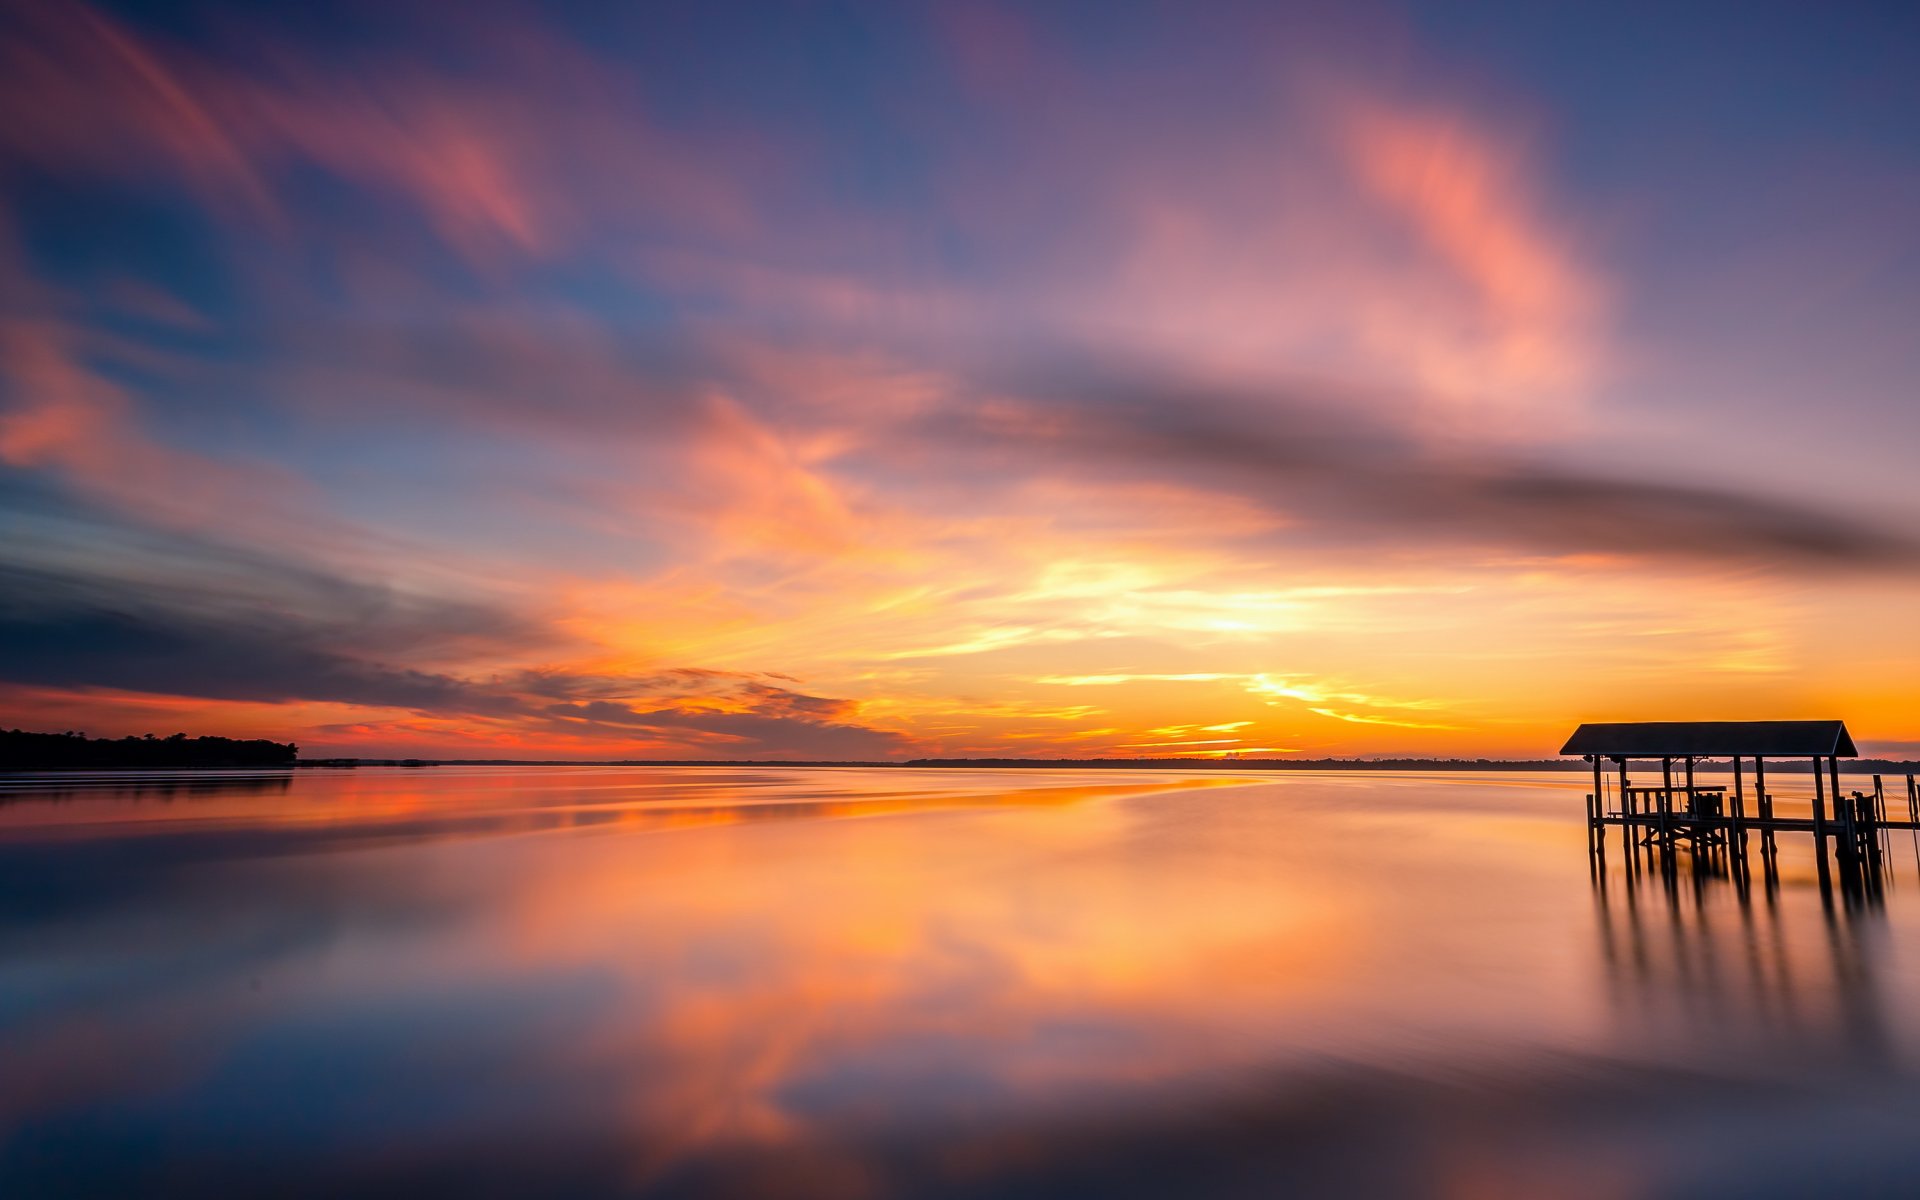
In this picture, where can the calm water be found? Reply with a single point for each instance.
(608, 981)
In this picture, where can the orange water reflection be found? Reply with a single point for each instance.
(902, 982)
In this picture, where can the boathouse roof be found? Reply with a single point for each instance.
(1701, 739)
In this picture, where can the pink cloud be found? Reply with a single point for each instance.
(522, 158)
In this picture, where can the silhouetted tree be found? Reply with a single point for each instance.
(73, 751)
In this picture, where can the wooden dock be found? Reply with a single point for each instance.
(1681, 813)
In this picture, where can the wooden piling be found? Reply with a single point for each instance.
(1819, 806)
(1666, 805)
(1875, 818)
(1597, 836)
(1833, 768)
(1628, 837)
(1739, 808)
(1913, 817)
(1593, 818)
(1820, 830)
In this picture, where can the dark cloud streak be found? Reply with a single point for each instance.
(75, 632)
(1310, 458)
(298, 635)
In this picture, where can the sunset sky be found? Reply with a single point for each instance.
(874, 381)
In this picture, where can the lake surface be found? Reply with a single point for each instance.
(850, 982)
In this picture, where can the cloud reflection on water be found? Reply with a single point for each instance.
(695, 983)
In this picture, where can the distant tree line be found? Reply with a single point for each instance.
(23, 751)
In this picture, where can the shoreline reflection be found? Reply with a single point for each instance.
(157, 785)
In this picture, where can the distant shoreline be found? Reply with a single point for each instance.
(1858, 765)
(60, 753)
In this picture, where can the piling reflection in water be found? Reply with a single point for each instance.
(1697, 948)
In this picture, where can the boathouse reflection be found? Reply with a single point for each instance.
(1706, 949)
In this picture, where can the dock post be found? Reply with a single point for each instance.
(1833, 769)
(1853, 827)
(1628, 836)
(1913, 818)
(1846, 814)
(1820, 830)
(1694, 814)
(1593, 819)
(1764, 804)
(1819, 805)
(1666, 806)
(1597, 812)
(1876, 815)
(1739, 812)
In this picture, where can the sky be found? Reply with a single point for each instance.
(875, 381)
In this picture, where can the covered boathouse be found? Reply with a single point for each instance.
(1680, 809)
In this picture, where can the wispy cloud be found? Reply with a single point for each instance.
(1110, 680)
(567, 379)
